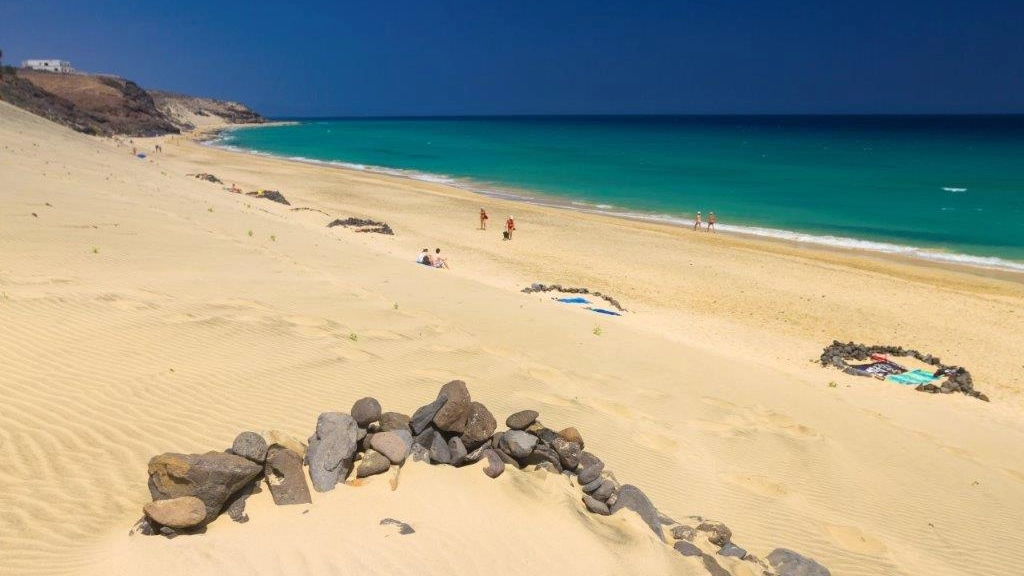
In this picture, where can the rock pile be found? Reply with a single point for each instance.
(958, 379)
(535, 287)
(207, 177)
(272, 195)
(363, 225)
(191, 490)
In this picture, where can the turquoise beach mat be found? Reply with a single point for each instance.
(576, 300)
(914, 377)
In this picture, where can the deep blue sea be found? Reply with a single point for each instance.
(946, 188)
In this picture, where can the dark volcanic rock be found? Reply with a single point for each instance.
(395, 445)
(439, 451)
(331, 450)
(480, 424)
(419, 454)
(495, 465)
(713, 567)
(634, 499)
(595, 505)
(591, 473)
(732, 550)
(683, 533)
(285, 476)
(508, 460)
(453, 414)
(403, 528)
(520, 444)
(604, 490)
(587, 460)
(592, 486)
(789, 563)
(568, 452)
(425, 438)
(521, 420)
(235, 506)
(250, 445)
(425, 414)
(365, 411)
(543, 453)
(144, 526)
(477, 454)
(718, 533)
(687, 549)
(390, 421)
(457, 451)
(372, 463)
(212, 477)
(272, 195)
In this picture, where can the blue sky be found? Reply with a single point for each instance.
(444, 57)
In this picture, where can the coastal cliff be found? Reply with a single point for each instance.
(109, 105)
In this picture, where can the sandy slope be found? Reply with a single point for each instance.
(140, 316)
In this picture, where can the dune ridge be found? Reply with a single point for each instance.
(181, 329)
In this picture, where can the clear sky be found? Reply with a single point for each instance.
(451, 57)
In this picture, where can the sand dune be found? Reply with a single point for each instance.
(140, 316)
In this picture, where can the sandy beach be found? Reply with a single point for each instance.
(145, 311)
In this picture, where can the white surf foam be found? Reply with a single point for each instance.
(607, 209)
(951, 189)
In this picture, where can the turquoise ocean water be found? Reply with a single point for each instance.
(945, 188)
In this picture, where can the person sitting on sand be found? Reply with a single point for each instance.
(440, 261)
(235, 188)
(483, 219)
(697, 222)
(424, 258)
(510, 225)
(711, 222)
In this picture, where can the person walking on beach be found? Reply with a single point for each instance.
(510, 226)
(483, 219)
(711, 222)
(697, 222)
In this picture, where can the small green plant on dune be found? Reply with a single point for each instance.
(210, 209)
(273, 238)
(396, 305)
(95, 250)
(250, 233)
(833, 384)
(597, 331)
(353, 337)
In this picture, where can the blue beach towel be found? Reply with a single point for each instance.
(603, 311)
(576, 300)
(912, 378)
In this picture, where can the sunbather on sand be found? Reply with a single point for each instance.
(424, 258)
(440, 261)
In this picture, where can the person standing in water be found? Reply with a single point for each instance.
(510, 225)
(711, 222)
(697, 222)
(483, 219)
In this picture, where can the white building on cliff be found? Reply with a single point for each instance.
(62, 66)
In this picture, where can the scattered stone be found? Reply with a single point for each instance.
(250, 445)
(595, 505)
(480, 424)
(366, 443)
(789, 563)
(272, 195)
(422, 417)
(591, 473)
(568, 452)
(713, 567)
(425, 438)
(331, 450)
(418, 453)
(572, 435)
(587, 460)
(634, 499)
(373, 462)
(542, 454)
(403, 528)
(477, 454)
(537, 287)
(391, 421)
(439, 451)
(546, 435)
(546, 467)
(168, 532)
(495, 465)
(719, 534)
(453, 414)
(520, 444)
(457, 451)
(521, 420)
(687, 549)
(732, 550)
(212, 477)
(181, 512)
(365, 411)
(144, 526)
(285, 477)
(683, 533)
(508, 460)
(235, 506)
(395, 445)
(592, 486)
(604, 491)
(363, 225)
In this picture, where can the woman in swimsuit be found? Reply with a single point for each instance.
(697, 222)
(483, 219)
(510, 225)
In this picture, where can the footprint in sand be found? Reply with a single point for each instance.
(350, 354)
(785, 425)
(611, 407)
(1014, 473)
(386, 335)
(853, 540)
(439, 374)
(656, 441)
(757, 484)
(549, 399)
